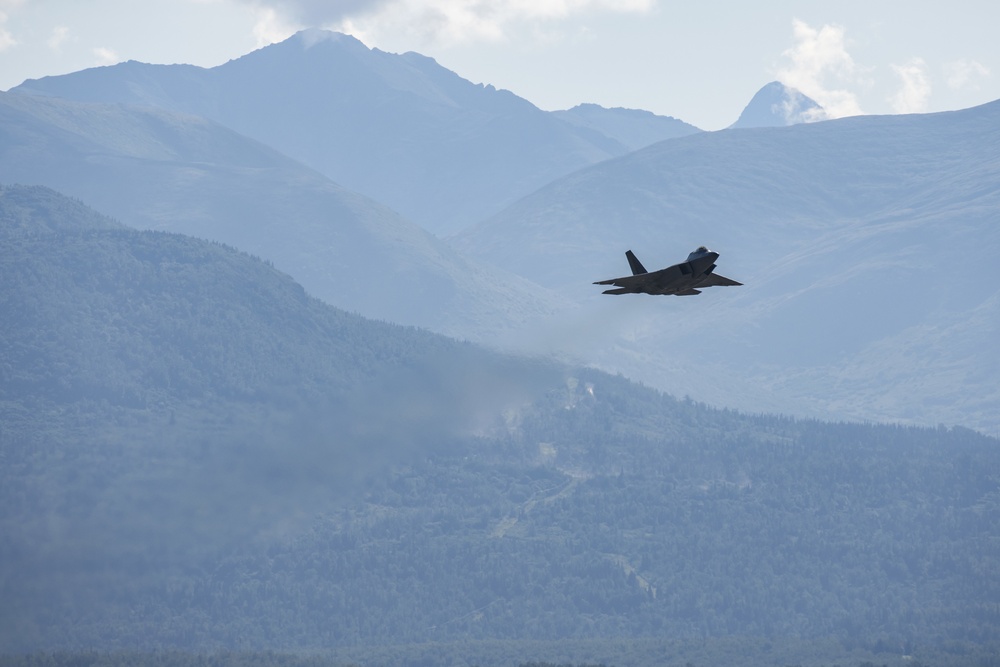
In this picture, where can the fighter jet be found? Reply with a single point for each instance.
(684, 279)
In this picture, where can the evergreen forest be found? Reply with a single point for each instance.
(201, 464)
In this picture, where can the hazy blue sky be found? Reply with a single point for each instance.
(698, 61)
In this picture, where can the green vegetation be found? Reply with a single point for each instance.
(198, 456)
(33, 210)
(682, 654)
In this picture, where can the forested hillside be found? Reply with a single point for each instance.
(199, 456)
(163, 398)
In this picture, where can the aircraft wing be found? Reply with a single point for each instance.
(715, 280)
(626, 284)
(626, 281)
(652, 283)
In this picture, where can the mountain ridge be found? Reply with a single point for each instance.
(634, 128)
(305, 95)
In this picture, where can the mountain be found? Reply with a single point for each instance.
(442, 151)
(161, 170)
(866, 246)
(633, 128)
(199, 456)
(778, 105)
(29, 210)
(165, 399)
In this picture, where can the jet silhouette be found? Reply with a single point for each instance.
(684, 279)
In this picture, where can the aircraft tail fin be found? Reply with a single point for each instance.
(633, 261)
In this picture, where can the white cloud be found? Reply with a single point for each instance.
(451, 21)
(270, 27)
(795, 109)
(915, 87)
(821, 66)
(314, 13)
(105, 56)
(7, 7)
(57, 38)
(465, 21)
(6, 38)
(965, 74)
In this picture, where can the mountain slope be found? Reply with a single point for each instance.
(852, 237)
(164, 400)
(104, 316)
(399, 128)
(199, 456)
(28, 210)
(160, 170)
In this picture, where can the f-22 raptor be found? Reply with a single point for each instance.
(684, 279)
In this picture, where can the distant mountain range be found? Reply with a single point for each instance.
(440, 150)
(197, 455)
